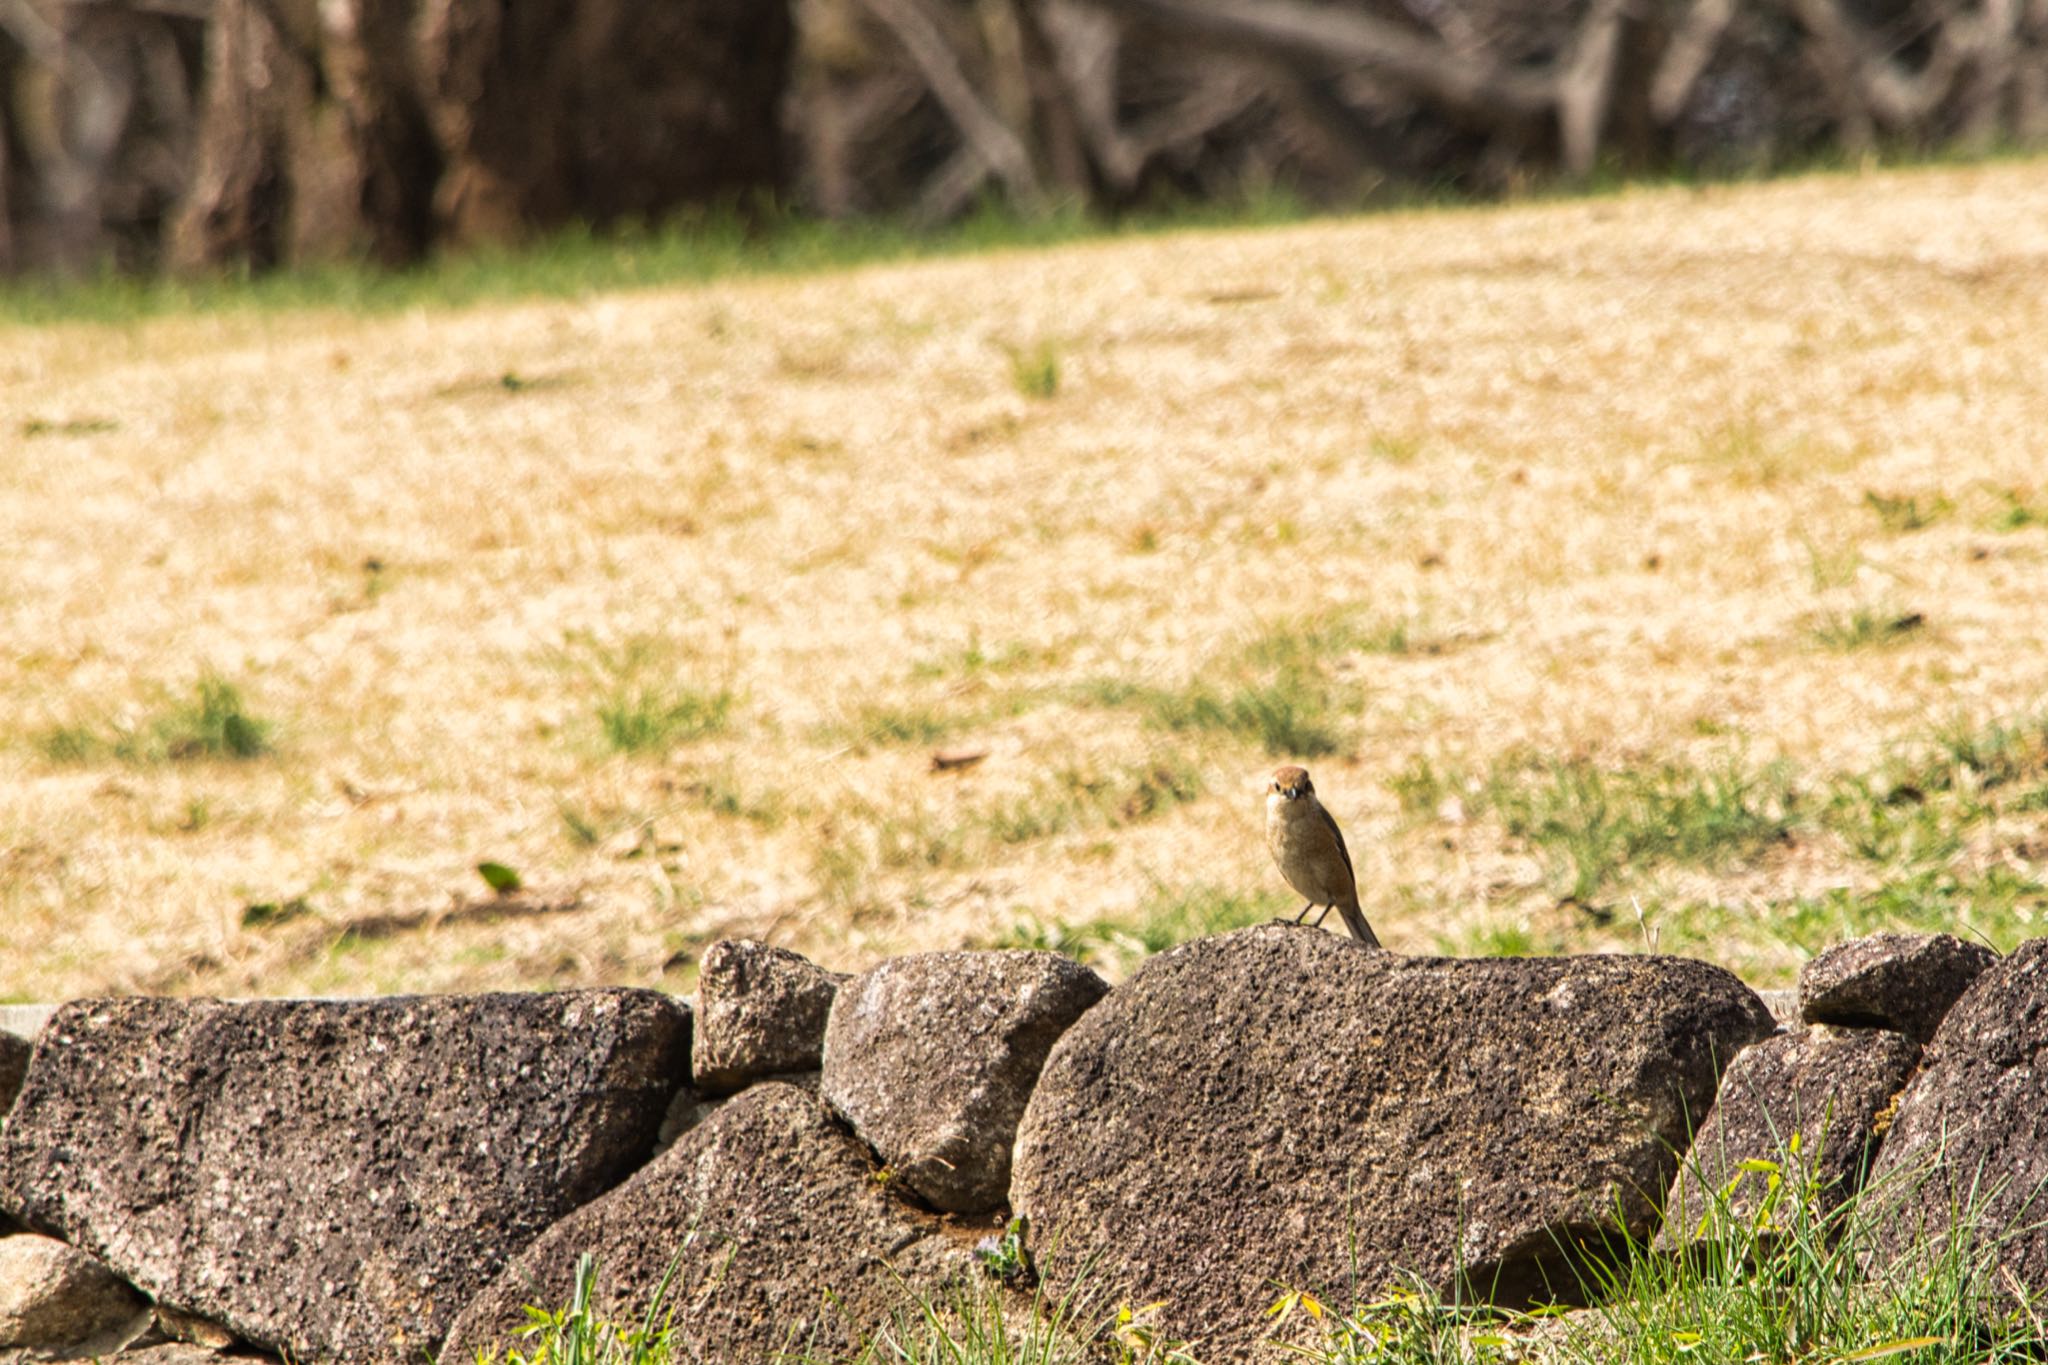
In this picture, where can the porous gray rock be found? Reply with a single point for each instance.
(931, 1058)
(1813, 1101)
(782, 1237)
(57, 1300)
(334, 1179)
(1905, 982)
(1970, 1140)
(760, 1012)
(188, 1353)
(1283, 1106)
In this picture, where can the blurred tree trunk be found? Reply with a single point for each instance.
(261, 74)
(397, 162)
(553, 111)
(10, 194)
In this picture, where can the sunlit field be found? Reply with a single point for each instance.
(1667, 570)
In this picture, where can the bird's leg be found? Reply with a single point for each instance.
(1304, 912)
(1320, 918)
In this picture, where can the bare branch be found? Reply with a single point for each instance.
(1470, 84)
(949, 190)
(993, 140)
(1686, 57)
(1084, 42)
(1852, 63)
(1583, 85)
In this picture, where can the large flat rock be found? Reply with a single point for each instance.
(334, 1179)
(1971, 1136)
(1278, 1105)
(782, 1240)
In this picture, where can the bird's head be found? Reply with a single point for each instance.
(1292, 783)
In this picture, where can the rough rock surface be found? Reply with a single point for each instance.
(931, 1058)
(334, 1178)
(183, 1353)
(53, 1296)
(1905, 982)
(1265, 1105)
(1830, 1087)
(761, 1012)
(772, 1205)
(1980, 1107)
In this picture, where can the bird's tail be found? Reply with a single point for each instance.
(1354, 920)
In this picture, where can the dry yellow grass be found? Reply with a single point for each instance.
(1609, 457)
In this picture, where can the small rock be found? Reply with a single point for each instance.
(1829, 1087)
(760, 1011)
(1904, 982)
(54, 1296)
(1971, 1135)
(781, 1234)
(932, 1057)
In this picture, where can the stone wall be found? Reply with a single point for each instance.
(369, 1181)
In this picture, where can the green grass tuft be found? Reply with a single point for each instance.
(70, 744)
(1280, 690)
(576, 1334)
(1997, 905)
(1903, 513)
(1594, 826)
(650, 696)
(2018, 510)
(1865, 626)
(1422, 785)
(1293, 715)
(915, 723)
(1036, 372)
(214, 723)
(640, 718)
(1074, 798)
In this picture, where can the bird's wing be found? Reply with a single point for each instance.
(1337, 835)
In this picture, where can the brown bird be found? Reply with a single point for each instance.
(1310, 852)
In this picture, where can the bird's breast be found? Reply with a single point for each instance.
(1286, 827)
